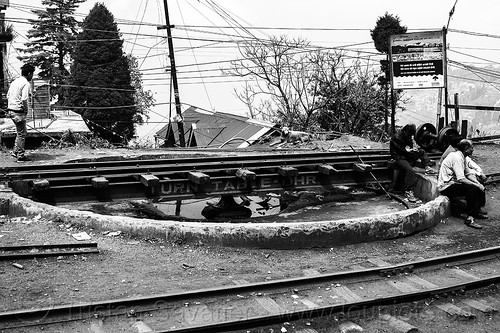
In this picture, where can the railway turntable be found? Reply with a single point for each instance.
(40, 189)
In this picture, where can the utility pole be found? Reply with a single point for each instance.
(4, 38)
(173, 72)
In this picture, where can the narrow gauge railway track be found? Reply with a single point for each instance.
(375, 287)
(184, 178)
(19, 252)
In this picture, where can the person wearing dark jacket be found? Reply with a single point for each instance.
(406, 156)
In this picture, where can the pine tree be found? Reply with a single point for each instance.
(50, 41)
(100, 81)
(386, 26)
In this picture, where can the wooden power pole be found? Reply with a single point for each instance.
(173, 72)
(4, 38)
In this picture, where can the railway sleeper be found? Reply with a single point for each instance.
(40, 184)
(199, 178)
(148, 180)
(99, 182)
(197, 184)
(245, 175)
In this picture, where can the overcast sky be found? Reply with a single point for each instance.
(474, 35)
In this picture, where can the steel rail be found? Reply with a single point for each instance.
(63, 175)
(183, 188)
(56, 177)
(279, 155)
(188, 164)
(31, 255)
(326, 311)
(155, 179)
(454, 259)
(47, 246)
(90, 248)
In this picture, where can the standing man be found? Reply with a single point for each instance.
(456, 180)
(17, 108)
(406, 156)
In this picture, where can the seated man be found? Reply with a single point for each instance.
(406, 156)
(456, 180)
(474, 168)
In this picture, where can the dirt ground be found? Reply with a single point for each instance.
(129, 267)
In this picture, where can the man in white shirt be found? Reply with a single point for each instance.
(17, 109)
(455, 179)
(474, 168)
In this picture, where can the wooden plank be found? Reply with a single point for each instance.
(270, 305)
(485, 308)
(421, 282)
(198, 178)
(378, 262)
(309, 304)
(149, 180)
(346, 294)
(357, 267)
(402, 286)
(240, 282)
(40, 184)
(287, 171)
(99, 182)
(399, 325)
(326, 169)
(246, 175)
(311, 272)
(464, 274)
(454, 310)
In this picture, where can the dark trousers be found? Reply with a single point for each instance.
(408, 173)
(474, 197)
(406, 166)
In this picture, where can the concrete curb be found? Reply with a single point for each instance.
(262, 235)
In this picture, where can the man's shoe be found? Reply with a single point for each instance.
(472, 224)
(13, 154)
(411, 197)
(23, 159)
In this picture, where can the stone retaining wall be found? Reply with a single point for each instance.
(263, 235)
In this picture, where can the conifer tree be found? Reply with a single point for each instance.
(386, 26)
(50, 41)
(100, 81)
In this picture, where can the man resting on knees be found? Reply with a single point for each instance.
(455, 179)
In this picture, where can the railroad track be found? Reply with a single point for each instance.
(21, 252)
(185, 178)
(444, 284)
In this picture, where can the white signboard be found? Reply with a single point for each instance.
(417, 60)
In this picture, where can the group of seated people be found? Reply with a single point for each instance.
(458, 175)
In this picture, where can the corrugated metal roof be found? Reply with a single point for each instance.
(206, 129)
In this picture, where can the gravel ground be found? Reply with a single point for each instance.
(131, 267)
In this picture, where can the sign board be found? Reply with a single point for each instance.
(418, 60)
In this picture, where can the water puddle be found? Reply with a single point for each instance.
(271, 207)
